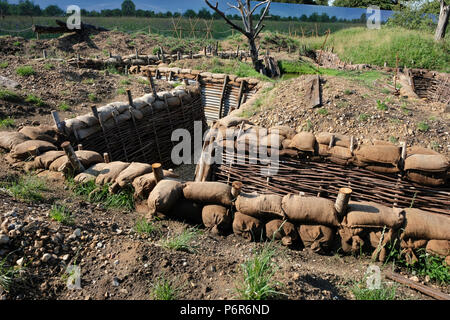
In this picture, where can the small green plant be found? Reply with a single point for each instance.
(361, 292)
(25, 71)
(405, 109)
(88, 81)
(125, 82)
(155, 50)
(49, 66)
(164, 289)
(381, 106)
(64, 106)
(308, 126)
(35, 100)
(6, 123)
(423, 126)
(258, 272)
(435, 145)
(393, 139)
(61, 214)
(9, 275)
(386, 91)
(182, 241)
(10, 96)
(322, 111)
(17, 43)
(363, 117)
(142, 226)
(143, 81)
(27, 188)
(348, 92)
(92, 97)
(121, 91)
(4, 65)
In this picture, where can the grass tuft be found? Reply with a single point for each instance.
(35, 100)
(62, 214)
(7, 123)
(182, 241)
(361, 292)
(164, 289)
(25, 71)
(27, 188)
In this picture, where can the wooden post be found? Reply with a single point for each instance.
(94, 111)
(126, 70)
(170, 75)
(74, 161)
(241, 92)
(179, 55)
(106, 157)
(190, 55)
(342, 200)
(331, 142)
(152, 84)
(136, 51)
(130, 98)
(222, 97)
(158, 171)
(237, 52)
(204, 51)
(80, 147)
(157, 74)
(44, 53)
(60, 125)
(236, 188)
(352, 143)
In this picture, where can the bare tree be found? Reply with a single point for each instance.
(250, 30)
(443, 21)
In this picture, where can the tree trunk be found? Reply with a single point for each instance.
(257, 65)
(443, 22)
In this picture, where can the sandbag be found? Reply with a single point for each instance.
(281, 230)
(216, 218)
(312, 210)
(340, 153)
(208, 192)
(303, 141)
(286, 143)
(186, 210)
(9, 139)
(427, 179)
(134, 170)
(164, 196)
(439, 247)
(247, 227)
(90, 174)
(378, 241)
(318, 238)
(272, 140)
(371, 214)
(43, 132)
(324, 151)
(351, 240)
(378, 153)
(22, 150)
(45, 160)
(340, 140)
(425, 162)
(285, 131)
(426, 225)
(144, 184)
(111, 172)
(231, 121)
(420, 150)
(383, 168)
(263, 207)
(86, 157)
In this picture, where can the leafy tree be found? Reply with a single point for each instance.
(383, 4)
(53, 11)
(128, 8)
(189, 14)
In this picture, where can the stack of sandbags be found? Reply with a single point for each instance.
(283, 230)
(383, 158)
(29, 148)
(9, 139)
(426, 167)
(86, 157)
(42, 132)
(339, 152)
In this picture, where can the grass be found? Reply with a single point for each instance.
(25, 71)
(35, 100)
(88, 81)
(381, 106)
(92, 97)
(4, 65)
(7, 123)
(125, 82)
(10, 96)
(423, 126)
(322, 111)
(164, 289)
(144, 227)
(62, 214)
(121, 91)
(182, 241)
(49, 66)
(27, 188)
(363, 117)
(393, 139)
(64, 106)
(9, 275)
(258, 272)
(361, 292)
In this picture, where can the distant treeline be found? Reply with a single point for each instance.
(28, 8)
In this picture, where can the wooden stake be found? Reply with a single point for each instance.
(80, 147)
(44, 53)
(60, 125)
(106, 157)
(152, 84)
(130, 98)
(158, 171)
(74, 161)
(342, 200)
(236, 188)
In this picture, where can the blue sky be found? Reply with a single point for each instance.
(281, 9)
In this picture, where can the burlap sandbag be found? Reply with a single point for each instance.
(383, 168)
(378, 241)
(439, 247)
(134, 170)
(339, 139)
(216, 218)
(144, 184)
(420, 150)
(247, 227)
(370, 214)
(43, 132)
(318, 238)
(208, 192)
(409, 248)
(447, 261)
(263, 207)
(90, 174)
(323, 150)
(312, 210)
(186, 210)
(282, 230)
(426, 225)
(231, 121)
(272, 140)
(427, 179)
(164, 196)
(303, 141)
(285, 131)
(425, 162)
(340, 153)
(9, 139)
(44, 161)
(22, 150)
(350, 239)
(286, 143)
(86, 157)
(111, 172)
(378, 153)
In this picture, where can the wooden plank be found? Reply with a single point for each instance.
(222, 97)
(419, 287)
(312, 94)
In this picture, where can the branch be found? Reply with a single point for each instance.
(241, 10)
(258, 5)
(258, 31)
(215, 8)
(264, 14)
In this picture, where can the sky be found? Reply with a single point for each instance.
(281, 9)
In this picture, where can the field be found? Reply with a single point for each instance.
(54, 223)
